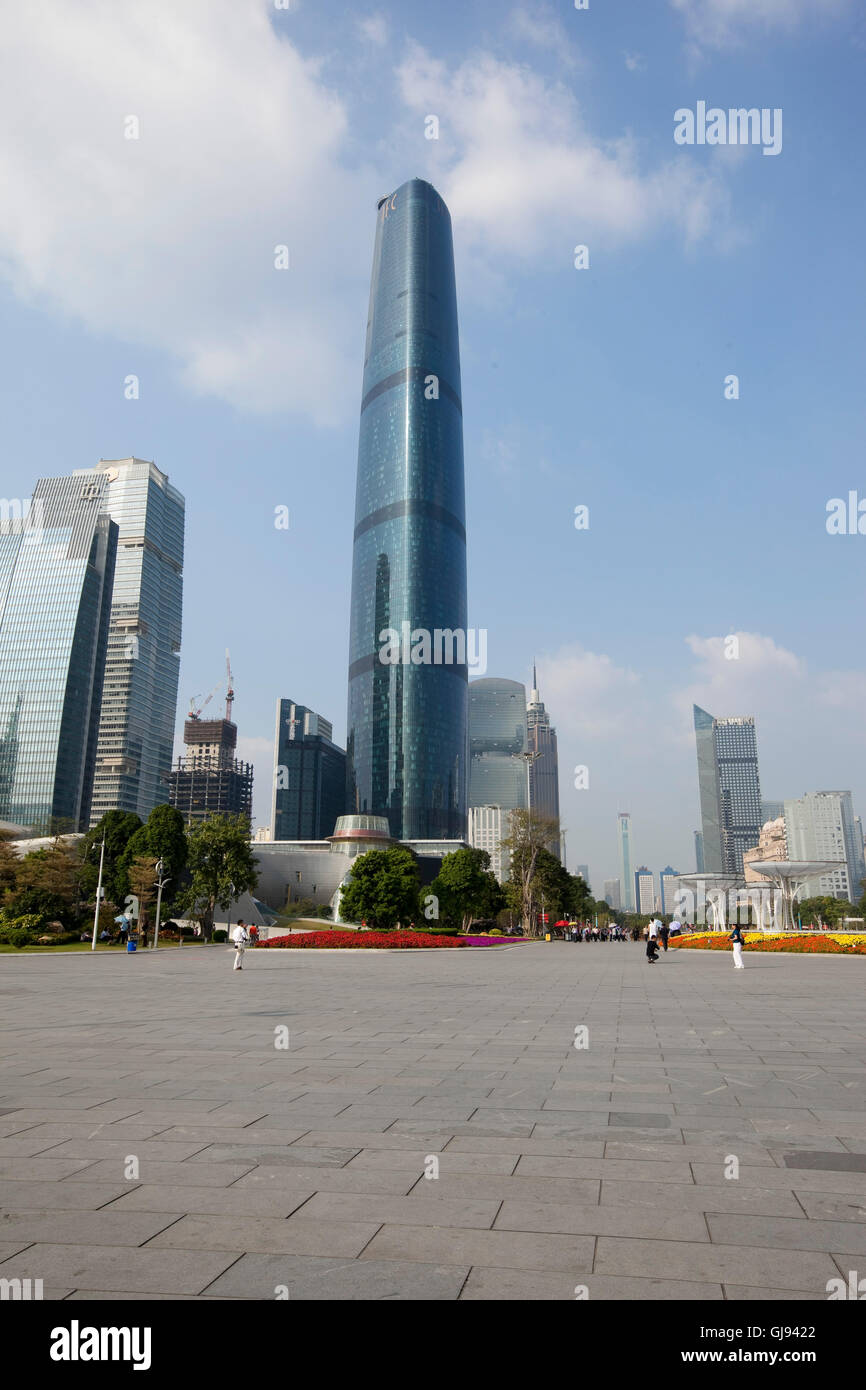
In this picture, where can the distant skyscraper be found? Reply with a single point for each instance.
(309, 775)
(56, 574)
(626, 873)
(644, 889)
(730, 789)
(544, 769)
(667, 888)
(488, 827)
(822, 825)
(209, 780)
(771, 810)
(699, 853)
(497, 767)
(407, 742)
(582, 871)
(497, 742)
(612, 893)
(139, 700)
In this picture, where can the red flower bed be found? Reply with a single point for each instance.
(361, 940)
(817, 944)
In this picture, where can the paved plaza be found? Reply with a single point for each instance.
(157, 1141)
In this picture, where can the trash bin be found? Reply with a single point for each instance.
(130, 945)
(547, 936)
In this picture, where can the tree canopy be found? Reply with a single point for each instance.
(382, 888)
(221, 866)
(465, 888)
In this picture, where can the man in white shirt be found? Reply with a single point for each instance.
(240, 936)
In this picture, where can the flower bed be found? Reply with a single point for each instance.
(801, 943)
(371, 940)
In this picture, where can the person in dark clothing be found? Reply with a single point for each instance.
(664, 933)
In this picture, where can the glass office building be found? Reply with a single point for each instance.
(309, 775)
(139, 703)
(626, 874)
(497, 741)
(56, 575)
(407, 741)
(544, 769)
(729, 788)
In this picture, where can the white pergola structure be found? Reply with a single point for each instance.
(789, 877)
(712, 889)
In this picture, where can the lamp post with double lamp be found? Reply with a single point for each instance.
(98, 895)
(160, 884)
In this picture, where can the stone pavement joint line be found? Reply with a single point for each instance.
(431, 1131)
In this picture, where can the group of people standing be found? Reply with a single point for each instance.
(576, 932)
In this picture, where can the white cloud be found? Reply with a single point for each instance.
(168, 241)
(524, 177)
(635, 62)
(589, 694)
(540, 26)
(374, 28)
(727, 23)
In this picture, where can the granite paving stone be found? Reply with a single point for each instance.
(559, 1169)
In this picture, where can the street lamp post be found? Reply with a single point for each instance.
(160, 884)
(229, 912)
(98, 895)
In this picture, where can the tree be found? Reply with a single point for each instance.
(53, 875)
(118, 827)
(9, 865)
(162, 837)
(822, 909)
(382, 888)
(465, 888)
(221, 866)
(528, 835)
(142, 882)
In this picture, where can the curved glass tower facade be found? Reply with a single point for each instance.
(497, 739)
(407, 725)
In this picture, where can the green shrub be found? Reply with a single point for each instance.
(220, 934)
(19, 938)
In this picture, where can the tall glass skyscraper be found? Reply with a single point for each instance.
(407, 720)
(56, 575)
(139, 704)
(544, 769)
(626, 873)
(729, 787)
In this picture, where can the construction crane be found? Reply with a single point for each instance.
(230, 694)
(196, 713)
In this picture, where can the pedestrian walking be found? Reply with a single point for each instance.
(240, 936)
(738, 941)
(663, 933)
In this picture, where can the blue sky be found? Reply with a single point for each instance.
(602, 387)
